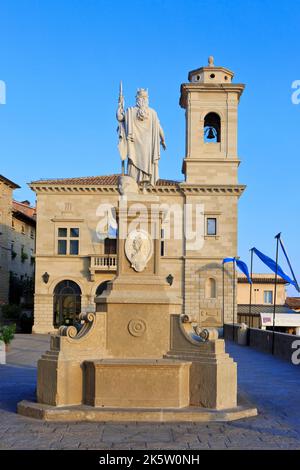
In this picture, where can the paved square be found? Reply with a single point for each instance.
(271, 384)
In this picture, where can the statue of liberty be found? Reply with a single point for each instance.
(140, 137)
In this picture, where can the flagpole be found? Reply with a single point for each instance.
(288, 261)
(275, 293)
(233, 299)
(250, 293)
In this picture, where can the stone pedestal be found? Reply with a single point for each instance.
(138, 317)
(60, 377)
(143, 383)
(138, 303)
(213, 373)
(133, 357)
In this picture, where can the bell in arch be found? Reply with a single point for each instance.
(210, 134)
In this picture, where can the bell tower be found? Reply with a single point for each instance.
(211, 103)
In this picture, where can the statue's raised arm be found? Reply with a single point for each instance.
(140, 137)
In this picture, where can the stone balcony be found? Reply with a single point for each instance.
(102, 263)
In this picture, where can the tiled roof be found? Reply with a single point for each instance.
(257, 309)
(260, 278)
(24, 210)
(8, 182)
(108, 180)
(292, 302)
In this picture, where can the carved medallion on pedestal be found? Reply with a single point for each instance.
(137, 327)
(138, 249)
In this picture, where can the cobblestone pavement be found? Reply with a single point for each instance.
(271, 384)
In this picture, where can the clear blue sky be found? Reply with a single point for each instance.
(62, 61)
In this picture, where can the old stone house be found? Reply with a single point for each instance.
(17, 239)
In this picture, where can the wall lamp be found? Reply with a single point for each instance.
(46, 277)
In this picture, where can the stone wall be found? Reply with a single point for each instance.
(191, 268)
(262, 341)
(258, 289)
(22, 238)
(198, 302)
(5, 228)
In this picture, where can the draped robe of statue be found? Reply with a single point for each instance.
(139, 141)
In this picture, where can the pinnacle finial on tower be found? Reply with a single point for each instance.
(211, 61)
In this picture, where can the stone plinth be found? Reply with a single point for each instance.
(137, 383)
(213, 373)
(138, 315)
(213, 376)
(168, 415)
(135, 354)
(59, 378)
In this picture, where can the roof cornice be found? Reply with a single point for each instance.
(181, 188)
(208, 88)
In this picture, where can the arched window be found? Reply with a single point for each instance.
(212, 128)
(66, 303)
(101, 288)
(210, 288)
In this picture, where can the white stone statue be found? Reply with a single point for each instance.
(140, 136)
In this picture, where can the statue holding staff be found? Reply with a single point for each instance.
(140, 137)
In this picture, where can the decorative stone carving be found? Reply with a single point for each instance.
(78, 332)
(138, 249)
(194, 332)
(137, 327)
(70, 331)
(210, 316)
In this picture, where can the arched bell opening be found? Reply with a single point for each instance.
(212, 128)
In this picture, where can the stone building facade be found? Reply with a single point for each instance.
(73, 263)
(262, 301)
(17, 238)
(6, 192)
(263, 290)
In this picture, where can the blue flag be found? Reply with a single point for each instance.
(241, 265)
(272, 265)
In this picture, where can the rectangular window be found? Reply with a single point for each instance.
(62, 232)
(12, 250)
(68, 241)
(62, 247)
(211, 226)
(31, 257)
(268, 296)
(74, 247)
(74, 232)
(162, 243)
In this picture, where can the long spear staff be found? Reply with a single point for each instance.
(121, 107)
